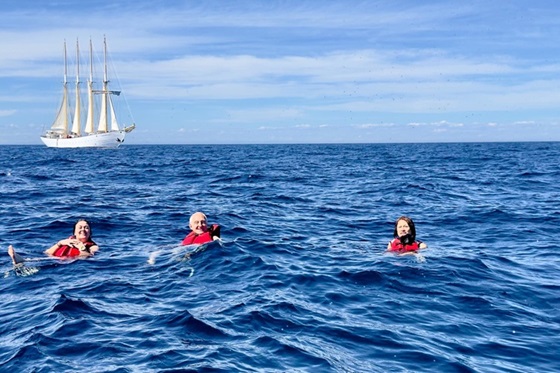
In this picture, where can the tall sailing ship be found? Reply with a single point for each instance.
(66, 130)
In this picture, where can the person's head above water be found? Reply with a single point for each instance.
(198, 223)
(200, 231)
(405, 226)
(82, 230)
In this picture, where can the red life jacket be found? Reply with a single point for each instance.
(70, 251)
(193, 238)
(396, 245)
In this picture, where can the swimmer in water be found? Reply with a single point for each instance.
(404, 242)
(79, 244)
(200, 232)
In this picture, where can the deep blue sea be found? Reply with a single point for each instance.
(300, 281)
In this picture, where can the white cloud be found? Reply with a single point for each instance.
(7, 113)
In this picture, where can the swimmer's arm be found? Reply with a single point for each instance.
(422, 245)
(53, 248)
(215, 232)
(71, 242)
(65, 242)
(93, 250)
(84, 252)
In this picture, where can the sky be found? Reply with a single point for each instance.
(305, 71)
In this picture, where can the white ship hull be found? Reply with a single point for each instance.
(99, 140)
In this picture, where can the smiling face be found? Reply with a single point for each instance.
(82, 231)
(198, 223)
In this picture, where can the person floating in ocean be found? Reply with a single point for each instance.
(405, 238)
(200, 232)
(79, 244)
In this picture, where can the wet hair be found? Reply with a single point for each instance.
(76, 224)
(410, 223)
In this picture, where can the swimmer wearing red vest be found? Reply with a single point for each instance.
(405, 238)
(200, 232)
(79, 244)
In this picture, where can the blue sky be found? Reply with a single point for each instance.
(213, 72)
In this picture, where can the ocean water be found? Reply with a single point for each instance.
(300, 281)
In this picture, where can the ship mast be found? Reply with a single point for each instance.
(77, 114)
(64, 108)
(104, 92)
(90, 119)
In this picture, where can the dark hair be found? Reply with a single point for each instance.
(76, 224)
(410, 225)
